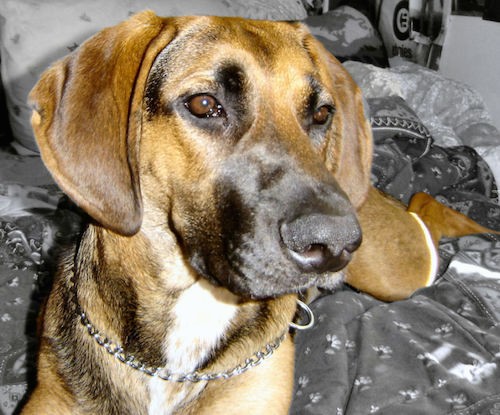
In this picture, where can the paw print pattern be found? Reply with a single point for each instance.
(409, 394)
(334, 344)
(445, 330)
(363, 383)
(303, 381)
(315, 397)
(457, 401)
(383, 352)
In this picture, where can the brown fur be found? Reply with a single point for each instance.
(443, 221)
(394, 258)
(164, 190)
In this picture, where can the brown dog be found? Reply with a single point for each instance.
(399, 250)
(195, 145)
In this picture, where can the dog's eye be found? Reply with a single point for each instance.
(322, 114)
(204, 106)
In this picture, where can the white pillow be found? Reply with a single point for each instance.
(35, 33)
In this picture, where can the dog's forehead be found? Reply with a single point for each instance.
(210, 43)
(261, 37)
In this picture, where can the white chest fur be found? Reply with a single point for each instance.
(201, 316)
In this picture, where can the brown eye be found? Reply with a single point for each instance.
(204, 106)
(322, 114)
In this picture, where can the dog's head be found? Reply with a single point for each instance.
(230, 128)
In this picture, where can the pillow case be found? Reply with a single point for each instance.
(35, 33)
(4, 121)
(349, 35)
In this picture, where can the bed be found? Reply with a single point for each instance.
(437, 352)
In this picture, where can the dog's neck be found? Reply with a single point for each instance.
(184, 341)
(184, 326)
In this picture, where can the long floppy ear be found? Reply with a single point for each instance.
(349, 151)
(86, 119)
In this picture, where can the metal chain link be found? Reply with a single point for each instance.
(163, 373)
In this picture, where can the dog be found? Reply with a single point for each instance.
(399, 251)
(220, 162)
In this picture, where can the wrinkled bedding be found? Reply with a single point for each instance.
(36, 222)
(439, 351)
(435, 353)
(454, 113)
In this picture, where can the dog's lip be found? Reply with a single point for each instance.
(330, 281)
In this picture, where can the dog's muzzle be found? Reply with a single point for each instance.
(280, 228)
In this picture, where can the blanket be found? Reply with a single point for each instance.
(435, 353)
(439, 351)
(36, 223)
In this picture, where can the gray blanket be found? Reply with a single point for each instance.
(435, 353)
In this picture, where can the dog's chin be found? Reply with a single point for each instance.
(330, 281)
(260, 289)
(263, 285)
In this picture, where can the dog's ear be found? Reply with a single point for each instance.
(348, 153)
(86, 119)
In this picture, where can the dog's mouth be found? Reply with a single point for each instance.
(268, 283)
(269, 261)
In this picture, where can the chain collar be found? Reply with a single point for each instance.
(163, 373)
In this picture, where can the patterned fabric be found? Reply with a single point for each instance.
(20, 257)
(35, 223)
(435, 353)
(454, 113)
(407, 161)
(349, 34)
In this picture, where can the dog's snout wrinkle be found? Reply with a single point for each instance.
(320, 243)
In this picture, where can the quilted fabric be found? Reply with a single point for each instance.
(454, 113)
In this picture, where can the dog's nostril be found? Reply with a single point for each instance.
(351, 247)
(314, 252)
(319, 258)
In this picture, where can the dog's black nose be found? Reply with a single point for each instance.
(319, 242)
